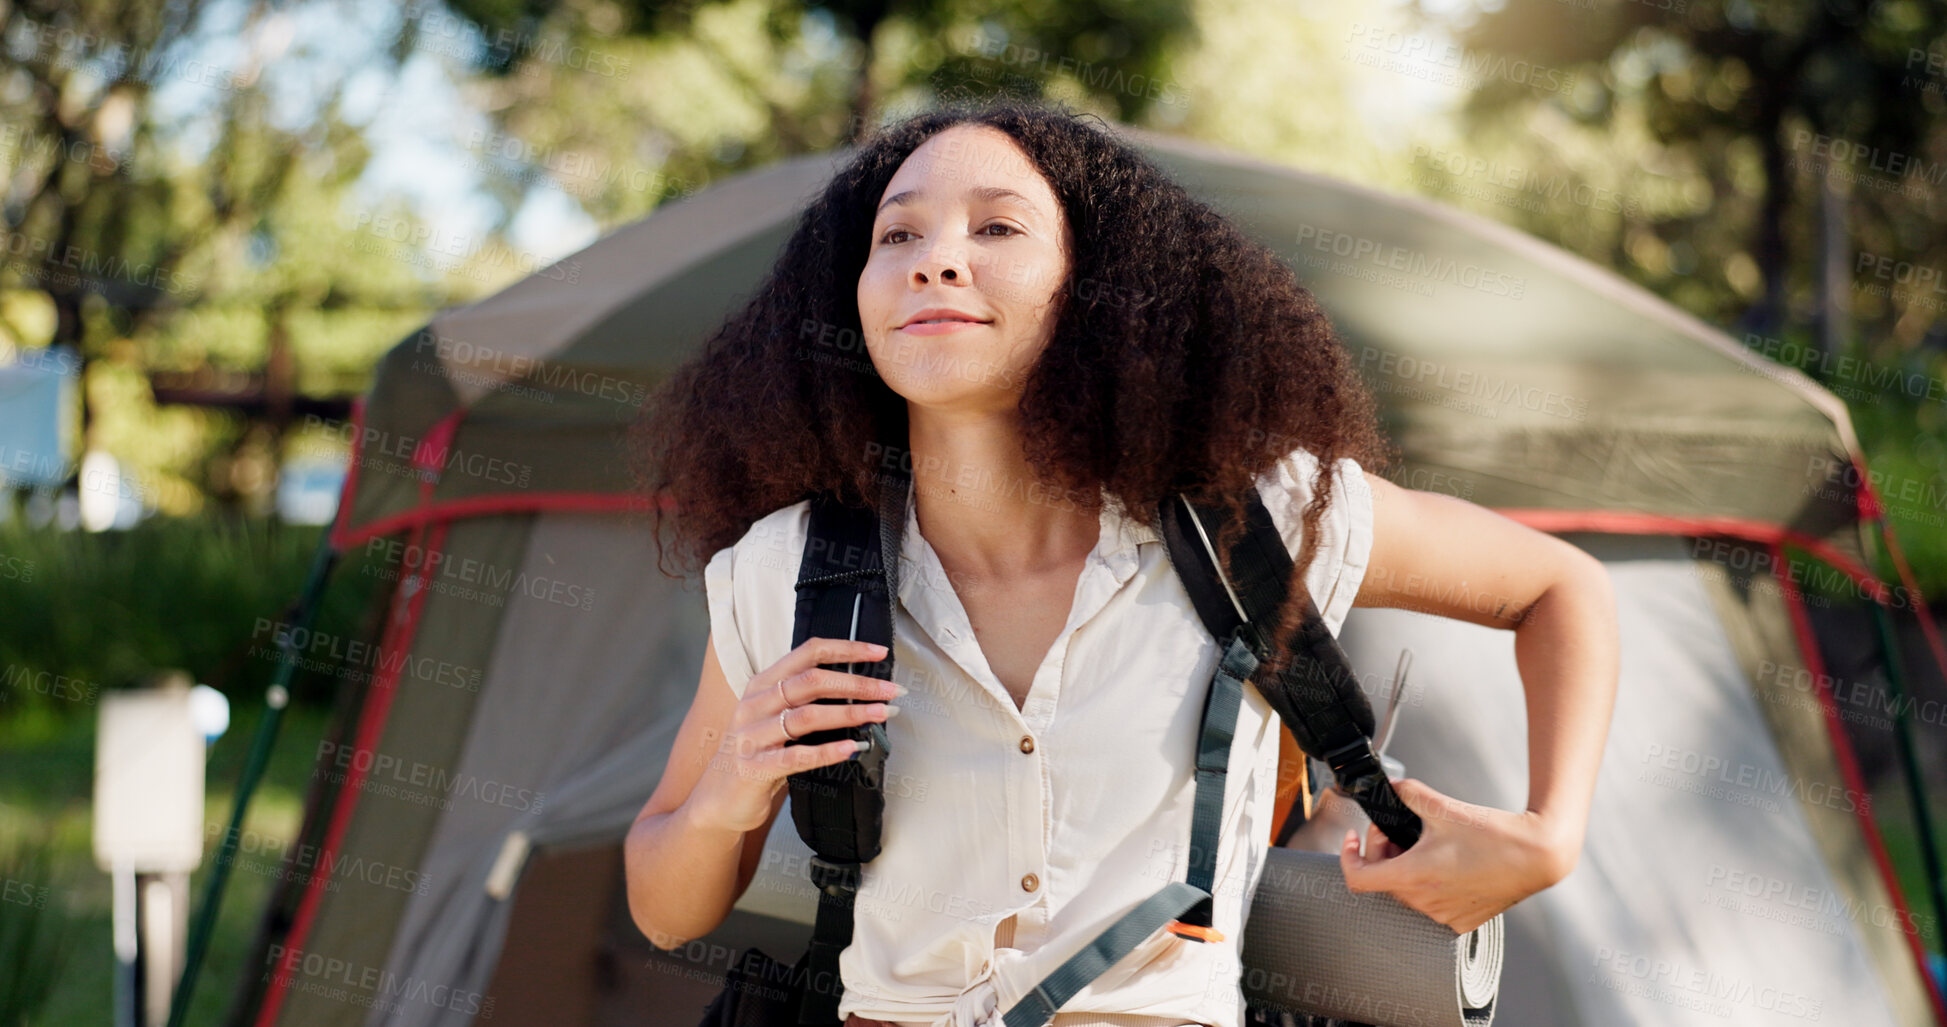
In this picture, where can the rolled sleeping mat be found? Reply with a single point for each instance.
(1312, 946)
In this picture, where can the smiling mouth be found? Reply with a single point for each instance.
(935, 326)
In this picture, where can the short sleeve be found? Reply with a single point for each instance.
(1344, 530)
(719, 586)
(749, 589)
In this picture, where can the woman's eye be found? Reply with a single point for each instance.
(888, 236)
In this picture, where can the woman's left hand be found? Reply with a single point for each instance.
(1470, 863)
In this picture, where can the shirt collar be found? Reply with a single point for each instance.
(1120, 534)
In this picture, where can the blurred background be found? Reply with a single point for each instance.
(216, 216)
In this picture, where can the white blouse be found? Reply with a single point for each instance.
(1057, 817)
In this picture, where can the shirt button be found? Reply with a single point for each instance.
(1030, 882)
(1027, 743)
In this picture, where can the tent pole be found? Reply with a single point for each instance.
(1909, 760)
(276, 697)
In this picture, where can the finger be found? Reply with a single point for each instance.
(815, 651)
(1379, 846)
(813, 683)
(813, 718)
(1365, 873)
(799, 758)
(1351, 864)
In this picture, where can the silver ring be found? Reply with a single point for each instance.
(781, 724)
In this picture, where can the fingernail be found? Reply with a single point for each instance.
(865, 746)
(899, 690)
(891, 711)
(877, 648)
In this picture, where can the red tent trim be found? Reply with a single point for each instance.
(486, 506)
(402, 624)
(408, 602)
(1628, 522)
(1808, 648)
(1776, 537)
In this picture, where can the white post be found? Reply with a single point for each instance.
(148, 833)
(126, 946)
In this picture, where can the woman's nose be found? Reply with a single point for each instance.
(944, 265)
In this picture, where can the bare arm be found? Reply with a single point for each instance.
(694, 848)
(1445, 556)
(682, 870)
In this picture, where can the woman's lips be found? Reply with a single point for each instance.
(941, 327)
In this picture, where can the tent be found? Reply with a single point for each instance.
(528, 666)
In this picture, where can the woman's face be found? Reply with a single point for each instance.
(968, 230)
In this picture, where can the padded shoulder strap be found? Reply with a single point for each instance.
(847, 588)
(1317, 696)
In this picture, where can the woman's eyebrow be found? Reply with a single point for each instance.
(979, 192)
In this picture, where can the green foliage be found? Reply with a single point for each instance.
(1755, 110)
(37, 933)
(88, 612)
(1905, 440)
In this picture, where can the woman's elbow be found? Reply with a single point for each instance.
(1582, 582)
(638, 871)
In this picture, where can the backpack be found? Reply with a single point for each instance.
(848, 587)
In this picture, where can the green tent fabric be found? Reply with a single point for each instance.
(516, 704)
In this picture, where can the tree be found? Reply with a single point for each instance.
(1770, 104)
(151, 180)
(626, 104)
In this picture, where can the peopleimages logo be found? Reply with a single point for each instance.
(324, 652)
(1822, 904)
(304, 862)
(553, 374)
(468, 578)
(363, 985)
(426, 778)
(1754, 779)
(1409, 262)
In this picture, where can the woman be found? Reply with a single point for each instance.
(1059, 337)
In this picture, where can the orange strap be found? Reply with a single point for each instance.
(1193, 932)
(1292, 782)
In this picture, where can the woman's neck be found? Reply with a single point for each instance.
(980, 504)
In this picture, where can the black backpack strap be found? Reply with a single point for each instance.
(1317, 696)
(848, 586)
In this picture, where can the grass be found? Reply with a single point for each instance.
(46, 781)
(86, 613)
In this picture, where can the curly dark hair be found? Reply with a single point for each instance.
(1185, 356)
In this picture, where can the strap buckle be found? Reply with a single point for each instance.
(1359, 774)
(833, 877)
(1353, 761)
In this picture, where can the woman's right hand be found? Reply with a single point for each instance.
(740, 784)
